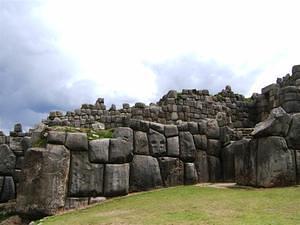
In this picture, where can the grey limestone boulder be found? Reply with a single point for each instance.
(77, 141)
(293, 138)
(214, 169)
(141, 146)
(7, 189)
(7, 160)
(157, 143)
(275, 163)
(144, 173)
(213, 130)
(202, 125)
(121, 145)
(43, 183)
(200, 141)
(201, 165)
(297, 157)
(277, 124)
(172, 171)
(245, 152)
(98, 150)
(86, 179)
(190, 173)
(173, 146)
(213, 147)
(193, 127)
(171, 130)
(56, 137)
(187, 147)
(15, 144)
(116, 180)
(227, 158)
(120, 151)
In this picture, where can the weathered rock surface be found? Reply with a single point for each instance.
(275, 163)
(214, 147)
(227, 158)
(120, 151)
(297, 157)
(98, 150)
(214, 169)
(213, 130)
(43, 184)
(7, 190)
(56, 137)
(157, 143)
(144, 173)
(173, 146)
(172, 171)
(187, 147)
(293, 138)
(277, 124)
(201, 165)
(200, 142)
(141, 146)
(77, 141)
(86, 179)
(190, 173)
(116, 180)
(7, 160)
(76, 203)
(245, 152)
(171, 130)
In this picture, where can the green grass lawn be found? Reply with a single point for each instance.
(193, 205)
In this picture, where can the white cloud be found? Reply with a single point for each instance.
(96, 48)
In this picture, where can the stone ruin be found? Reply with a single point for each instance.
(186, 138)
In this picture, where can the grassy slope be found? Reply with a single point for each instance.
(193, 205)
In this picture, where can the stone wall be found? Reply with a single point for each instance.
(72, 170)
(189, 105)
(285, 93)
(272, 158)
(12, 149)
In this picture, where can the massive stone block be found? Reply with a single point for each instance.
(173, 146)
(116, 180)
(144, 173)
(86, 179)
(200, 141)
(187, 147)
(293, 138)
(201, 165)
(190, 173)
(214, 147)
(277, 124)
(245, 161)
(98, 150)
(125, 133)
(172, 171)
(141, 146)
(7, 160)
(15, 144)
(171, 130)
(77, 141)
(227, 158)
(213, 130)
(43, 183)
(56, 137)
(7, 190)
(275, 163)
(120, 151)
(214, 169)
(297, 157)
(157, 143)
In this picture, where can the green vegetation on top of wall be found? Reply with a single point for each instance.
(92, 134)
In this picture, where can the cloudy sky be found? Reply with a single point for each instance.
(58, 54)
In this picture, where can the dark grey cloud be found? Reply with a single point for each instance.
(188, 72)
(35, 76)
